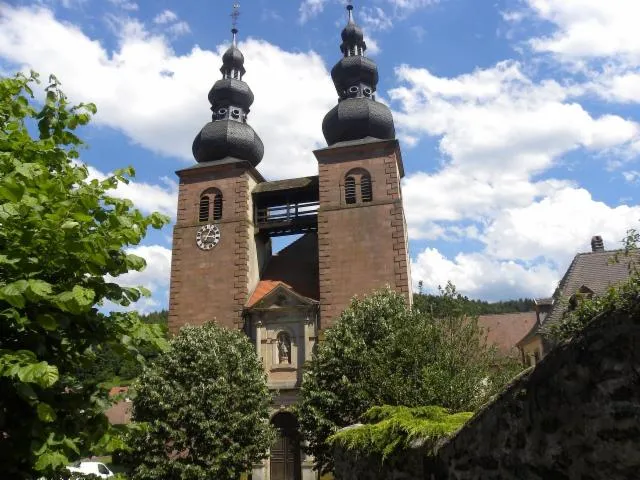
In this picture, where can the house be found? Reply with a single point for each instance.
(590, 274)
(504, 330)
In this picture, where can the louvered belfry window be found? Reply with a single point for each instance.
(208, 198)
(217, 207)
(203, 215)
(365, 188)
(358, 187)
(350, 190)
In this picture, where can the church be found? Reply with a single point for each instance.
(348, 223)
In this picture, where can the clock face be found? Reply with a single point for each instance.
(207, 236)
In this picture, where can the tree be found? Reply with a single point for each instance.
(380, 352)
(204, 408)
(435, 304)
(61, 236)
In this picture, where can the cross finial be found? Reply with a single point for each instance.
(234, 20)
(350, 10)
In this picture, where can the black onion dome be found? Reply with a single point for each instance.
(221, 139)
(229, 91)
(358, 115)
(353, 70)
(352, 33)
(228, 134)
(358, 118)
(233, 58)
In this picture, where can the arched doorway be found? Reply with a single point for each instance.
(285, 450)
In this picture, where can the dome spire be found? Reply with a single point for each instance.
(228, 134)
(358, 115)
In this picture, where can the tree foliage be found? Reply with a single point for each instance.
(111, 369)
(388, 430)
(203, 408)
(61, 235)
(437, 304)
(380, 352)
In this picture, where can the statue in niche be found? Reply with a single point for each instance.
(284, 348)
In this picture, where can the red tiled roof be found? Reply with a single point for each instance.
(263, 289)
(507, 329)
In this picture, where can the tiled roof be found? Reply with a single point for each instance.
(263, 289)
(507, 329)
(597, 271)
(288, 184)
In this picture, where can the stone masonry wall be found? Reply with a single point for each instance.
(362, 247)
(214, 284)
(575, 416)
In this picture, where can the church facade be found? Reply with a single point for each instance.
(349, 219)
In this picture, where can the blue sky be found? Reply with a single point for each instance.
(518, 119)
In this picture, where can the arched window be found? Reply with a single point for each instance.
(350, 190)
(211, 196)
(203, 215)
(365, 188)
(358, 187)
(217, 207)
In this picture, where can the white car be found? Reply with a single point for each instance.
(91, 468)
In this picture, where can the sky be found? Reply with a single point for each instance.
(518, 119)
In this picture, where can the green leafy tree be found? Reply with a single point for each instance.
(380, 352)
(61, 236)
(437, 304)
(203, 409)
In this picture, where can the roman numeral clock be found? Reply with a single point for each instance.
(207, 236)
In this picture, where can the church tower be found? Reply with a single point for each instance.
(216, 255)
(362, 234)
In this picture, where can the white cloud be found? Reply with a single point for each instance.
(557, 226)
(375, 18)
(498, 130)
(146, 197)
(409, 5)
(480, 276)
(159, 98)
(497, 123)
(590, 28)
(164, 17)
(311, 8)
(125, 5)
(154, 277)
(631, 176)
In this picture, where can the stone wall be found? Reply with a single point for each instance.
(575, 416)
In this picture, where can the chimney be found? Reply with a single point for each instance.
(597, 245)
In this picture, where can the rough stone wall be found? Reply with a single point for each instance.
(408, 466)
(575, 416)
(214, 284)
(363, 246)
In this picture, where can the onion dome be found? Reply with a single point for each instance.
(228, 134)
(358, 115)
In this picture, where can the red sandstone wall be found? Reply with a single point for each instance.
(362, 247)
(211, 285)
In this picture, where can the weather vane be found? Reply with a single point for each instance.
(234, 20)
(234, 15)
